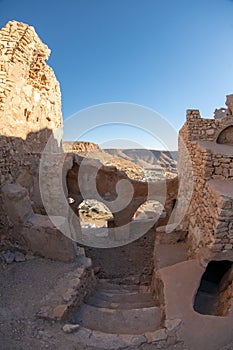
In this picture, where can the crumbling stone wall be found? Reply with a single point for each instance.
(29, 90)
(210, 211)
(198, 128)
(30, 109)
(83, 148)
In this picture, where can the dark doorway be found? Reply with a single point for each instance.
(207, 297)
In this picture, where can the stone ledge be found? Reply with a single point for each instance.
(69, 293)
(111, 341)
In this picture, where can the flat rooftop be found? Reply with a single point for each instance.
(216, 148)
(223, 187)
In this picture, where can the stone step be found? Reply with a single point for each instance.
(117, 291)
(134, 321)
(98, 302)
(124, 298)
(106, 285)
(86, 337)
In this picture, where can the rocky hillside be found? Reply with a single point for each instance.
(139, 164)
(82, 148)
(153, 162)
(92, 150)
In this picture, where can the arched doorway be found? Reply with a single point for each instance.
(212, 297)
(94, 214)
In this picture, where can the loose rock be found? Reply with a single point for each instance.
(9, 257)
(70, 328)
(19, 257)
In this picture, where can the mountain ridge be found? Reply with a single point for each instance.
(139, 164)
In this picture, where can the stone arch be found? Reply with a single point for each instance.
(226, 136)
(106, 183)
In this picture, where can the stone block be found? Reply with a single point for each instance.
(44, 239)
(210, 132)
(17, 203)
(70, 328)
(158, 335)
(172, 324)
(60, 312)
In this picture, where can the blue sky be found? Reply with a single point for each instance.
(167, 55)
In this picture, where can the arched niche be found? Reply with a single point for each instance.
(226, 136)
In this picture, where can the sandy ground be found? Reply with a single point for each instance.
(22, 286)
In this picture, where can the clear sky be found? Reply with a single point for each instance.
(167, 55)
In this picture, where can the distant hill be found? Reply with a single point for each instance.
(148, 159)
(155, 164)
(139, 164)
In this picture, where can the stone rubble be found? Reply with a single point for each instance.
(69, 292)
(9, 257)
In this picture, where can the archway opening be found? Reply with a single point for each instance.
(150, 209)
(226, 136)
(93, 213)
(210, 298)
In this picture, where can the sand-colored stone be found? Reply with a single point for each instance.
(211, 155)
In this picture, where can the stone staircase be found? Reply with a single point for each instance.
(119, 309)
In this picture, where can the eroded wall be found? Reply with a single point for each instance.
(96, 181)
(30, 109)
